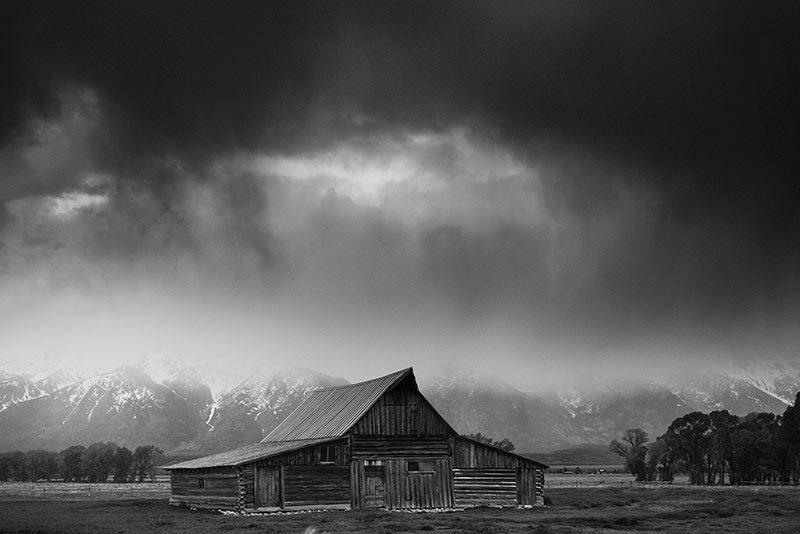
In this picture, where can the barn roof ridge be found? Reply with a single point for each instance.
(331, 412)
(363, 382)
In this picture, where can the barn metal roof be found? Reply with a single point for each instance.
(243, 455)
(331, 412)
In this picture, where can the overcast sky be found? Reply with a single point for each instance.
(536, 188)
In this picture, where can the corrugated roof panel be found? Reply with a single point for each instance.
(331, 412)
(242, 455)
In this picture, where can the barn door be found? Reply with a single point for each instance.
(268, 486)
(374, 487)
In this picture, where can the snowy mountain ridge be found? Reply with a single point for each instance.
(172, 402)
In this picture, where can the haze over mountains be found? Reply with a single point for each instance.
(173, 405)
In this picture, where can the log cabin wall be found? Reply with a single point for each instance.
(485, 475)
(216, 488)
(307, 486)
(485, 487)
(247, 487)
(402, 411)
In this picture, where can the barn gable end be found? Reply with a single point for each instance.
(402, 411)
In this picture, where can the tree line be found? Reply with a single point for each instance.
(95, 463)
(718, 448)
(504, 443)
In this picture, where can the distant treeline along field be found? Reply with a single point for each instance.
(718, 448)
(713, 448)
(95, 463)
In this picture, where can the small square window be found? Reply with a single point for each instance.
(420, 467)
(327, 454)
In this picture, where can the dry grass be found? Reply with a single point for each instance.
(642, 510)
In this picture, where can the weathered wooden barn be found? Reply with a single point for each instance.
(375, 444)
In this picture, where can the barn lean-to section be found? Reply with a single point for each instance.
(375, 444)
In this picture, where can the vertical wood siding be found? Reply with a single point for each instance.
(526, 486)
(268, 486)
(403, 489)
(402, 411)
(357, 484)
(312, 455)
(468, 455)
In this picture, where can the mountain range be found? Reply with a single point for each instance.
(172, 405)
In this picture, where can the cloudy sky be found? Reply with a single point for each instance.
(536, 188)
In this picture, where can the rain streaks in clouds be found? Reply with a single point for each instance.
(540, 184)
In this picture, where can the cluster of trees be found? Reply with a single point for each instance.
(95, 463)
(504, 443)
(718, 447)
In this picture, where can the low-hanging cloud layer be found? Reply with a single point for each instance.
(356, 187)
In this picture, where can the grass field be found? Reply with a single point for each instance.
(729, 510)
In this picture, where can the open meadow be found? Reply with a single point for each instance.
(682, 509)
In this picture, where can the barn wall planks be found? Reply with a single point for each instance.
(208, 488)
(247, 487)
(316, 485)
(526, 486)
(357, 484)
(403, 411)
(399, 446)
(479, 487)
(530, 486)
(268, 486)
(469, 454)
(404, 489)
(313, 455)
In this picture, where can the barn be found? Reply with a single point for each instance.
(374, 444)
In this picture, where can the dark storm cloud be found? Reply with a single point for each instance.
(663, 137)
(666, 81)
